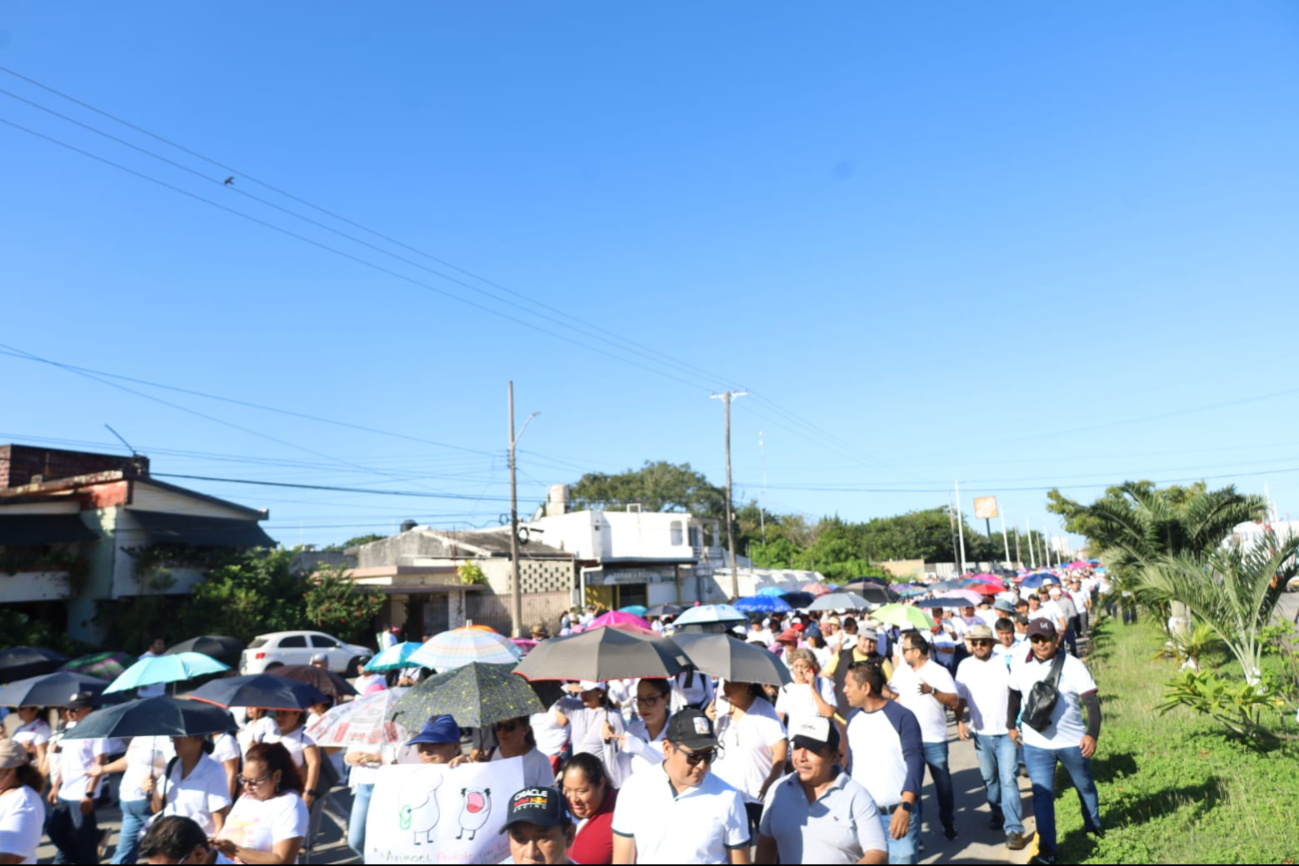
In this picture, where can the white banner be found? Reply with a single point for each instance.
(430, 813)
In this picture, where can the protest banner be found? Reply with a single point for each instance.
(432, 813)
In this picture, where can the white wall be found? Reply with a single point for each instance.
(33, 586)
(617, 534)
(148, 498)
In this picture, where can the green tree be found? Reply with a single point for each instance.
(253, 593)
(333, 602)
(658, 486)
(354, 542)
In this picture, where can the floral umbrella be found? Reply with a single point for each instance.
(474, 694)
(362, 722)
(106, 666)
(459, 647)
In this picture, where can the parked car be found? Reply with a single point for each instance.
(270, 651)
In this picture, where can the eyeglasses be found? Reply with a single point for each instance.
(650, 701)
(251, 782)
(694, 759)
(1037, 638)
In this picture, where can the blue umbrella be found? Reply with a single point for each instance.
(761, 604)
(770, 590)
(394, 657)
(1033, 581)
(954, 603)
(910, 593)
(635, 610)
(706, 613)
(165, 669)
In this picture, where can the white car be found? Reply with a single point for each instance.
(279, 648)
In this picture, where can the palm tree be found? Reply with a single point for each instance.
(1233, 591)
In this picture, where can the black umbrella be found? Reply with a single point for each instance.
(953, 603)
(216, 646)
(603, 654)
(800, 600)
(50, 690)
(664, 610)
(476, 695)
(22, 662)
(329, 683)
(723, 656)
(153, 717)
(856, 585)
(259, 690)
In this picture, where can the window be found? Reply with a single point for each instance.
(293, 641)
(257, 641)
(319, 641)
(675, 529)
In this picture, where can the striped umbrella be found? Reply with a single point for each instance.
(165, 669)
(106, 666)
(459, 647)
(394, 657)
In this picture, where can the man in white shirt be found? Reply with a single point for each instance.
(983, 683)
(71, 824)
(1062, 737)
(681, 813)
(157, 648)
(928, 690)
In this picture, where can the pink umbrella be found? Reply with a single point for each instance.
(523, 643)
(1076, 564)
(619, 618)
(965, 595)
(818, 588)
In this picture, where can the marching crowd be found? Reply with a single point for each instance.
(826, 769)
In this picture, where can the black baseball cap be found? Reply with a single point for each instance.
(544, 807)
(691, 729)
(1042, 628)
(81, 701)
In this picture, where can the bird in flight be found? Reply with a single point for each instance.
(230, 181)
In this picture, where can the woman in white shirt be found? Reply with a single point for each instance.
(809, 696)
(22, 812)
(514, 740)
(291, 733)
(753, 744)
(195, 788)
(642, 745)
(141, 767)
(269, 820)
(33, 734)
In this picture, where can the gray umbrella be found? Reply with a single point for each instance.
(731, 659)
(665, 610)
(840, 601)
(603, 654)
(945, 586)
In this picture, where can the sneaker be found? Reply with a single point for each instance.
(1095, 831)
(997, 822)
(949, 832)
(1048, 859)
(1016, 841)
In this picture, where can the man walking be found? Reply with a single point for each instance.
(1063, 737)
(886, 756)
(983, 683)
(928, 690)
(862, 651)
(1063, 601)
(818, 814)
(71, 824)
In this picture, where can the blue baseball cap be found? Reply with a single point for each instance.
(440, 729)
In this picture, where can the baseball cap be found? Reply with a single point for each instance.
(789, 635)
(12, 754)
(1042, 628)
(979, 632)
(868, 633)
(544, 807)
(814, 734)
(591, 685)
(81, 700)
(692, 729)
(441, 729)
(319, 657)
(1005, 605)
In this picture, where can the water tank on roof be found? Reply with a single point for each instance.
(408, 525)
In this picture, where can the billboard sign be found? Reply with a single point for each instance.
(985, 507)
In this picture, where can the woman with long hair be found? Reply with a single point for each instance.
(268, 823)
(22, 811)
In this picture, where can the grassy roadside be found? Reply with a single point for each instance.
(1173, 789)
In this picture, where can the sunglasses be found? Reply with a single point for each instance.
(1037, 638)
(506, 727)
(694, 759)
(251, 782)
(981, 642)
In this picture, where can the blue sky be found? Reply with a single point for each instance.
(1015, 244)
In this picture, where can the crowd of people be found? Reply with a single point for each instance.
(826, 769)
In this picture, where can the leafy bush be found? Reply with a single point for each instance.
(336, 604)
(1237, 706)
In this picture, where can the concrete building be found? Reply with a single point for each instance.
(77, 529)
(422, 571)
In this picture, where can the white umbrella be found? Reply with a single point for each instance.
(361, 722)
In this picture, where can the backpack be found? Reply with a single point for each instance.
(1042, 698)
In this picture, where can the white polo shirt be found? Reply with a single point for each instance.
(748, 748)
(74, 759)
(1066, 729)
(840, 827)
(931, 714)
(698, 825)
(985, 687)
(198, 795)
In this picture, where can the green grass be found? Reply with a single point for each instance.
(1174, 788)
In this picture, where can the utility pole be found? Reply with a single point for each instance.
(951, 527)
(516, 597)
(960, 525)
(1032, 554)
(1005, 539)
(1019, 557)
(726, 398)
(762, 517)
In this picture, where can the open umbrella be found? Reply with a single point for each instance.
(328, 682)
(818, 588)
(763, 604)
(943, 602)
(603, 654)
(217, 646)
(840, 601)
(665, 610)
(21, 662)
(903, 616)
(49, 690)
(106, 666)
(710, 613)
(854, 585)
(394, 658)
(877, 594)
(362, 722)
(151, 670)
(463, 645)
(635, 609)
(940, 586)
(967, 596)
(475, 695)
(799, 600)
(153, 717)
(912, 592)
(1033, 581)
(770, 590)
(618, 618)
(259, 690)
(722, 656)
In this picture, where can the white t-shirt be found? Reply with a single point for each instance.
(985, 687)
(258, 731)
(203, 792)
(640, 751)
(537, 772)
(225, 748)
(145, 757)
(698, 825)
(1066, 729)
(259, 824)
(74, 759)
(931, 714)
(34, 733)
(157, 689)
(550, 735)
(296, 742)
(22, 821)
(795, 701)
(748, 748)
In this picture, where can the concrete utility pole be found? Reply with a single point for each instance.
(726, 398)
(1005, 539)
(1032, 553)
(1019, 557)
(516, 597)
(960, 525)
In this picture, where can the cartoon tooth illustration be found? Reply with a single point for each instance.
(475, 808)
(418, 812)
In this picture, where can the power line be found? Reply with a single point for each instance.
(414, 493)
